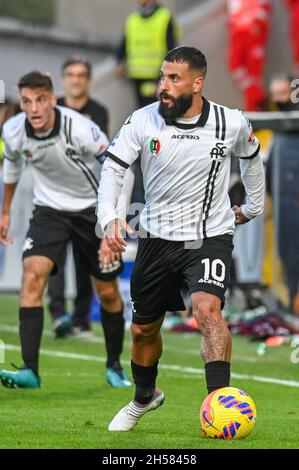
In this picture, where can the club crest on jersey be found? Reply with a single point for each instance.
(155, 146)
(28, 154)
(218, 151)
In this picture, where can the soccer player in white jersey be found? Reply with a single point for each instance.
(64, 150)
(186, 143)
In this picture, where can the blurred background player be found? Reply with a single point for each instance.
(248, 26)
(150, 32)
(284, 158)
(77, 75)
(62, 148)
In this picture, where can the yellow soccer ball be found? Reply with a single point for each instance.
(227, 413)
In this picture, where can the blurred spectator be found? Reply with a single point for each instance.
(284, 159)
(77, 74)
(280, 93)
(294, 32)
(150, 32)
(248, 24)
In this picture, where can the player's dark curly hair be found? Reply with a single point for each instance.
(36, 79)
(194, 57)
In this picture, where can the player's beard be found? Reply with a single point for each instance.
(179, 106)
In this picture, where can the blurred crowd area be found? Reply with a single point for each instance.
(263, 281)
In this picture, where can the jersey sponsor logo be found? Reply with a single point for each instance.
(155, 146)
(218, 151)
(44, 146)
(211, 281)
(28, 244)
(28, 154)
(185, 136)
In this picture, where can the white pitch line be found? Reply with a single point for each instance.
(50, 334)
(127, 344)
(98, 340)
(62, 354)
(169, 367)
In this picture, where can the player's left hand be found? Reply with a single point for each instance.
(107, 258)
(239, 216)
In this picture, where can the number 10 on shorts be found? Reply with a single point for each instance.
(214, 269)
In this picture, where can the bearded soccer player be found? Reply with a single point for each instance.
(64, 150)
(186, 143)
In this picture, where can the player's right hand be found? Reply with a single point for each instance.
(5, 239)
(115, 235)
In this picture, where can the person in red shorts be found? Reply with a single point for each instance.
(248, 25)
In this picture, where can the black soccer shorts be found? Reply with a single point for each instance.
(50, 230)
(162, 266)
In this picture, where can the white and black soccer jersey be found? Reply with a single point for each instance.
(186, 171)
(65, 169)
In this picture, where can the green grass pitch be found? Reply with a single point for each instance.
(74, 406)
